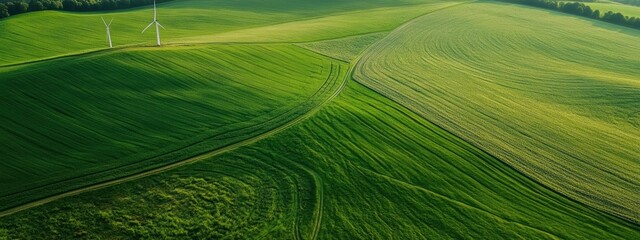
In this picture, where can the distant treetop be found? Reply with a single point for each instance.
(13, 7)
(628, 2)
(580, 9)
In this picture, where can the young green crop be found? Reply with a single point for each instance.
(162, 104)
(367, 166)
(360, 165)
(128, 111)
(556, 97)
(41, 35)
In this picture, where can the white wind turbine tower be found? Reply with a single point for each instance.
(155, 20)
(108, 31)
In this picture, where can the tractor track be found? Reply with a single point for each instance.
(339, 78)
(342, 81)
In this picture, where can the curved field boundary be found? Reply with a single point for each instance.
(201, 142)
(127, 33)
(186, 42)
(333, 86)
(98, 52)
(417, 107)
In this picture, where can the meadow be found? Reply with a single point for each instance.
(312, 119)
(558, 104)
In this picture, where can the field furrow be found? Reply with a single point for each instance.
(558, 105)
(217, 125)
(319, 119)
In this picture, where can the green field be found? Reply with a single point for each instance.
(306, 119)
(627, 10)
(397, 176)
(157, 113)
(163, 105)
(561, 105)
(199, 21)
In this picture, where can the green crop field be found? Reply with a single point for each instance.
(306, 119)
(560, 105)
(144, 107)
(200, 21)
(197, 99)
(398, 175)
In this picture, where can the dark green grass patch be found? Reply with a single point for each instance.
(367, 166)
(225, 198)
(81, 121)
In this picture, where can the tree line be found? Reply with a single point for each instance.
(10, 8)
(580, 9)
(629, 2)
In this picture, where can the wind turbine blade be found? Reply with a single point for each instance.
(105, 23)
(145, 29)
(110, 22)
(161, 25)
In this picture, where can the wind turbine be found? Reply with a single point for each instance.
(155, 20)
(108, 31)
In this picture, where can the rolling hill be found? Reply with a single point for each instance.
(315, 119)
(80, 142)
(361, 167)
(135, 109)
(561, 105)
(47, 34)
